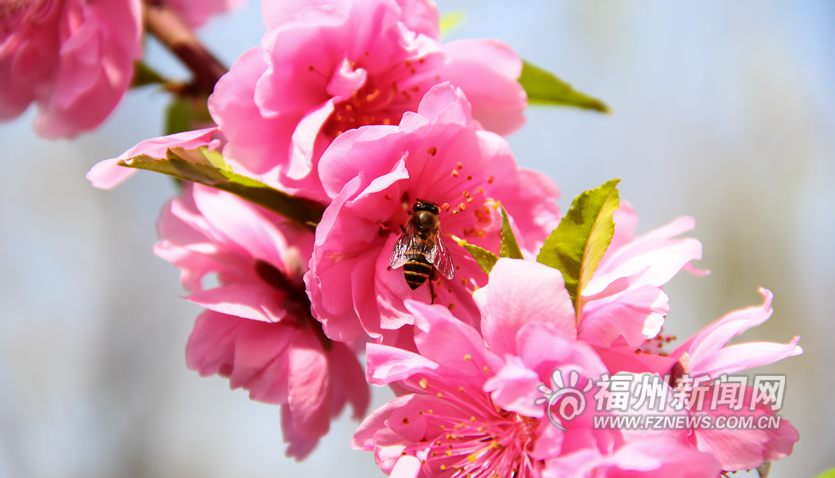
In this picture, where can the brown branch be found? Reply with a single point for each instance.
(177, 36)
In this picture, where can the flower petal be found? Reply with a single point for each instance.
(514, 297)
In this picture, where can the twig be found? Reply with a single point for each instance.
(177, 36)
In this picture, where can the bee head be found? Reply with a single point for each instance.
(421, 205)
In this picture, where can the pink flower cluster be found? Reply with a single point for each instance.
(75, 58)
(358, 105)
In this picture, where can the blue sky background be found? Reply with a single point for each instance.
(721, 110)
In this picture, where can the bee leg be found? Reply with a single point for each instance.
(403, 229)
(432, 288)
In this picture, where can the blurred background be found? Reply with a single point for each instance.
(721, 110)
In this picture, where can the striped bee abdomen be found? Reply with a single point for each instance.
(416, 270)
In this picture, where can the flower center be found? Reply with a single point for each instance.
(476, 438)
(369, 105)
(383, 98)
(473, 211)
(489, 446)
(296, 300)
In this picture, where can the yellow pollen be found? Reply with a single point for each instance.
(373, 95)
(423, 383)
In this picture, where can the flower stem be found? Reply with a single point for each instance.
(177, 36)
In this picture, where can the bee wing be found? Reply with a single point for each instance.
(408, 241)
(441, 258)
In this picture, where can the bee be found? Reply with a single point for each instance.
(420, 250)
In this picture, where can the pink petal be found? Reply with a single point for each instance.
(514, 388)
(736, 358)
(306, 417)
(708, 353)
(544, 349)
(260, 363)
(719, 333)
(739, 449)
(634, 314)
(652, 259)
(349, 380)
(387, 364)
(513, 297)
(664, 459)
(487, 70)
(211, 346)
(238, 222)
(346, 80)
(445, 340)
(444, 103)
(627, 360)
(406, 467)
(254, 301)
(305, 139)
(108, 174)
(256, 142)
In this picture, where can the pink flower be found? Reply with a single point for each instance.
(468, 404)
(624, 304)
(374, 175)
(108, 174)
(257, 329)
(447, 423)
(328, 66)
(707, 355)
(197, 12)
(73, 58)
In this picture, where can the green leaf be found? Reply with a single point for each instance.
(510, 248)
(544, 88)
(451, 22)
(144, 75)
(830, 473)
(209, 167)
(578, 243)
(485, 258)
(186, 113)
